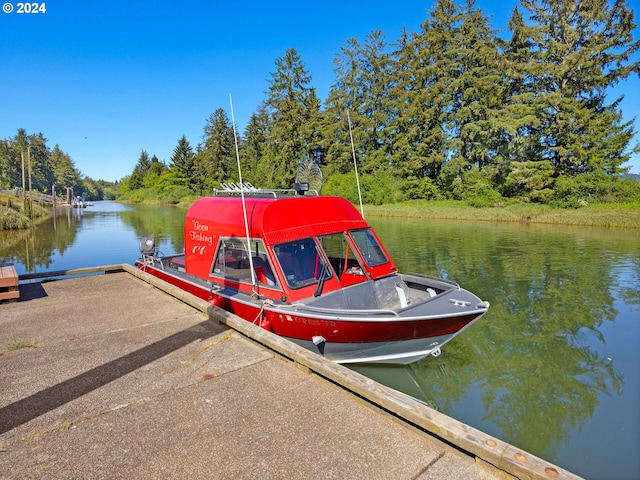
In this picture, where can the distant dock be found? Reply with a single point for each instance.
(124, 376)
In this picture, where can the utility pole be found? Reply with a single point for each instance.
(24, 190)
(30, 196)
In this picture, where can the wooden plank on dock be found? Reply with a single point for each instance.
(9, 289)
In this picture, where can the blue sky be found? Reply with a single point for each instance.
(105, 80)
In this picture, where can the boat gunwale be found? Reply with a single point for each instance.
(307, 311)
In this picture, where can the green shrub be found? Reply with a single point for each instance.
(419, 189)
(11, 219)
(593, 187)
(375, 189)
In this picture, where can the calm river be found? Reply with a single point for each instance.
(553, 366)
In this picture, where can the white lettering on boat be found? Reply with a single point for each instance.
(199, 249)
(199, 226)
(201, 237)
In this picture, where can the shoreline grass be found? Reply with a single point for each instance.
(596, 215)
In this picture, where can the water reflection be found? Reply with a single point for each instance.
(105, 233)
(163, 223)
(33, 249)
(539, 363)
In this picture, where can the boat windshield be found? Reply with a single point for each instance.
(342, 258)
(369, 247)
(301, 262)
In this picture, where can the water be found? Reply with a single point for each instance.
(552, 368)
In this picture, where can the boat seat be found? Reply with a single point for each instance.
(263, 271)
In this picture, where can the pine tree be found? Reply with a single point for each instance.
(373, 113)
(579, 48)
(294, 112)
(518, 120)
(362, 89)
(215, 162)
(423, 99)
(65, 173)
(342, 102)
(156, 168)
(254, 147)
(10, 168)
(476, 89)
(182, 161)
(476, 93)
(136, 180)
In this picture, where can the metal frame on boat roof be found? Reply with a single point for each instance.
(237, 188)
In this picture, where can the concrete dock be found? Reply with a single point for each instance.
(115, 376)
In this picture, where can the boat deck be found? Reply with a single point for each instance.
(106, 376)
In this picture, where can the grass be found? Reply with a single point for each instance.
(11, 219)
(19, 345)
(596, 215)
(12, 215)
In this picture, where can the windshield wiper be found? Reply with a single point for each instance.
(323, 277)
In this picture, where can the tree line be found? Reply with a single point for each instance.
(450, 111)
(28, 157)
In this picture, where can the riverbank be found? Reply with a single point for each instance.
(597, 215)
(13, 216)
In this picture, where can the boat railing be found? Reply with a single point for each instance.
(374, 312)
(433, 278)
(246, 188)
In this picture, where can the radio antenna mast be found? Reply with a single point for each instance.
(244, 205)
(355, 165)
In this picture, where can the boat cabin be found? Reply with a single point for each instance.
(291, 248)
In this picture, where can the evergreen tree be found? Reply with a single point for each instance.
(344, 97)
(182, 162)
(476, 98)
(37, 160)
(156, 168)
(215, 162)
(254, 147)
(476, 89)
(362, 89)
(10, 167)
(372, 115)
(294, 112)
(136, 180)
(579, 48)
(65, 173)
(517, 121)
(423, 99)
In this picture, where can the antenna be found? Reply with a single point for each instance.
(244, 205)
(355, 165)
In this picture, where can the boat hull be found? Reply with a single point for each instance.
(341, 336)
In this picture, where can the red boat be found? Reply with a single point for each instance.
(310, 269)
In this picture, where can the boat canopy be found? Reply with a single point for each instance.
(273, 220)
